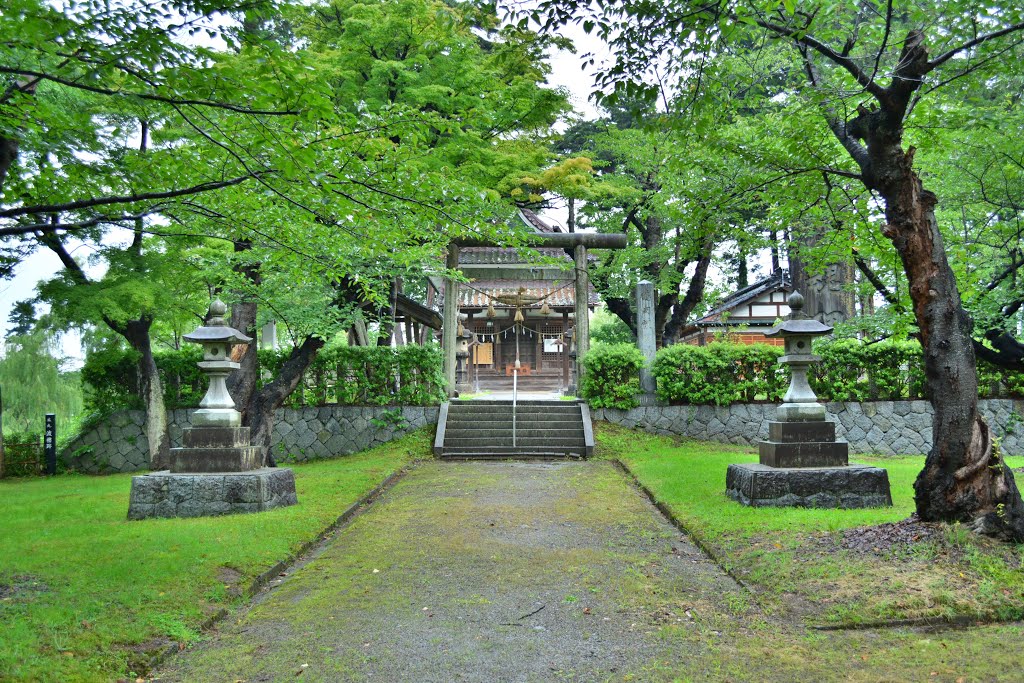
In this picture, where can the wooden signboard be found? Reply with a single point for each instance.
(483, 354)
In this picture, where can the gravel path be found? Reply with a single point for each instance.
(480, 571)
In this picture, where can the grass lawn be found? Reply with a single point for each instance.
(795, 558)
(87, 595)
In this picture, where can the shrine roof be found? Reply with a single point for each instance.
(561, 293)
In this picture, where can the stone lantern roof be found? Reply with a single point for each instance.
(798, 323)
(216, 330)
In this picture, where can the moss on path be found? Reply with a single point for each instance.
(541, 572)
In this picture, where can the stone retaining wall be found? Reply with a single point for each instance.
(876, 427)
(300, 434)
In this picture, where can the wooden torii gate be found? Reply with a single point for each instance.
(579, 242)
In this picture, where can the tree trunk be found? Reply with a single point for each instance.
(242, 382)
(964, 478)
(136, 332)
(8, 153)
(682, 311)
(265, 403)
(828, 296)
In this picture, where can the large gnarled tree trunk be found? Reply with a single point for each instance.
(964, 478)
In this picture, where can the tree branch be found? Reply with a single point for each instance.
(946, 56)
(1005, 273)
(146, 96)
(873, 278)
(849, 65)
(121, 199)
(836, 123)
(51, 226)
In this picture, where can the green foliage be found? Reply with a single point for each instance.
(368, 376)
(611, 376)
(606, 328)
(111, 379)
(851, 370)
(404, 375)
(719, 373)
(33, 384)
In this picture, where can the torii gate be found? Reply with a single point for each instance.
(577, 241)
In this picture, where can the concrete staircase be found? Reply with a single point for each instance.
(543, 429)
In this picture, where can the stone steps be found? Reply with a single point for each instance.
(543, 429)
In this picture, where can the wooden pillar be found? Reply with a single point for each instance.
(451, 319)
(565, 351)
(582, 309)
(540, 346)
(496, 354)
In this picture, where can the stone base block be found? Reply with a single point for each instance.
(215, 437)
(800, 412)
(853, 486)
(811, 454)
(798, 432)
(214, 459)
(166, 494)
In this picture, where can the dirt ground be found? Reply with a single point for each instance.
(488, 571)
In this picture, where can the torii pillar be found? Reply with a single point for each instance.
(449, 338)
(582, 309)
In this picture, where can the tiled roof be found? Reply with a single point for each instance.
(777, 280)
(500, 255)
(536, 222)
(558, 293)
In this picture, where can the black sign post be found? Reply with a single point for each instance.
(50, 443)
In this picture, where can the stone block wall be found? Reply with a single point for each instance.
(120, 445)
(875, 427)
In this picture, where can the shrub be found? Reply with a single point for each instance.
(406, 375)
(611, 376)
(719, 373)
(852, 370)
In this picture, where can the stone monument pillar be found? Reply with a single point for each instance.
(582, 313)
(802, 464)
(217, 471)
(646, 339)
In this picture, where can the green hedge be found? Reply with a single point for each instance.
(851, 370)
(406, 375)
(611, 376)
(110, 379)
(368, 376)
(720, 373)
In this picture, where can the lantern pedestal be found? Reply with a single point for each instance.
(215, 449)
(850, 486)
(217, 471)
(169, 494)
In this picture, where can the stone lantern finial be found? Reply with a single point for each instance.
(217, 337)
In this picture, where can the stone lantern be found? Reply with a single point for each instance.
(217, 409)
(802, 464)
(797, 333)
(462, 339)
(217, 470)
